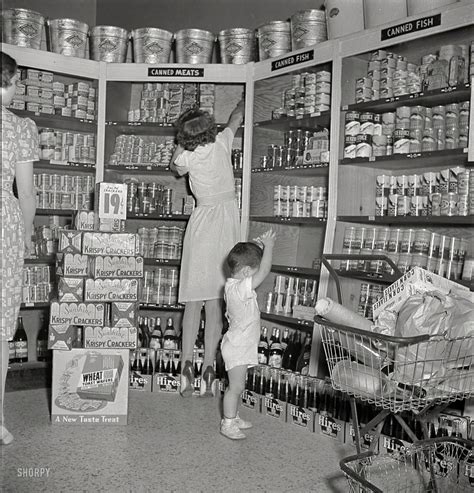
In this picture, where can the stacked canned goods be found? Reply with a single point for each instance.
(142, 151)
(56, 145)
(290, 291)
(37, 286)
(369, 294)
(160, 286)
(74, 192)
(300, 201)
(449, 192)
(310, 92)
(390, 75)
(39, 92)
(296, 143)
(164, 102)
(163, 242)
(238, 192)
(444, 255)
(237, 158)
(46, 238)
(146, 198)
(410, 129)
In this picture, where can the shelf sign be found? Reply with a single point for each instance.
(175, 72)
(306, 56)
(112, 200)
(411, 27)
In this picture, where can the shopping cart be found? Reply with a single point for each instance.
(438, 465)
(421, 374)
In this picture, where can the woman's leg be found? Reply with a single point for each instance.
(5, 436)
(213, 331)
(191, 317)
(234, 391)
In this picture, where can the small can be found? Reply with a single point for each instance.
(389, 145)
(352, 123)
(383, 185)
(416, 140)
(369, 239)
(414, 185)
(366, 123)
(419, 205)
(285, 208)
(293, 193)
(419, 260)
(429, 183)
(392, 208)
(297, 209)
(379, 145)
(463, 205)
(434, 204)
(349, 237)
(402, 185)
(394, 240)
(403, 112)
(382, 238)
(444, 180)
(434, 245)
(350, 145)
(285, 192)
(403, 205)
(428, 143)
(363, 146)
(407, 240)
(422, 241)
(449, 204)
(381, 206)
(318, 208)
(401, 141)
(454, 179)
(277, 208)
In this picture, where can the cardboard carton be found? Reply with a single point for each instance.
(72, 265)
(330, 427)
(70, 241)
(70, 289)
(124, 314)
(101, 290)
(121, 244)
(302, 417)
(77, 314)
(63, 336)
(117, 267)
(110, 338)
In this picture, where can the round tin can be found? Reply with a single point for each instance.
(369, 238)
(403, 112)
(381, 206)
(414, 185)
(382, 239)
(366, 123)
(293, 193)
(363, 146)
(379, 145)
(430, 183)
(407, 240)
(419, 205)
(422, 240)
(350, 144)
(404, 262)
(285, 192)
(434, 245)
(402, 185)
(318, 208)
(403, 205)
(419, 260)
(434, 204)
(401, 141)
(428, 143)
(449, 204)
(285, 208)
(47, 137)
(296, 209)
(352, 126)
(392, 208)
(431, 264)
(463, 205)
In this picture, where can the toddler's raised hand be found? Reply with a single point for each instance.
(268, 238)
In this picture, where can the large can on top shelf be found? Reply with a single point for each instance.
(151, 45)
(194, 46)
(344, 17)
(109, 44)
(274, 39)
(308, 28)
(22, 27)
(68, 37)
(237, 45)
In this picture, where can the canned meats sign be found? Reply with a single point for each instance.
(175, 72)
(411, 27)
(306, 56)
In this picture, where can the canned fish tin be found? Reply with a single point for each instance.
(350, 144)
(363, 146)
(419, 206)
(401, 141)
(367, 123)
(403, 205)
(352, 126)
(434, 204)
(449, 204)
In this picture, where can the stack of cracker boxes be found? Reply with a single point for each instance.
(93, 321)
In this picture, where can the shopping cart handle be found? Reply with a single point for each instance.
(357, 477)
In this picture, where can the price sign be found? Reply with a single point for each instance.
(112, 200)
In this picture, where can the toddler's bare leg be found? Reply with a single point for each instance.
(234, 390)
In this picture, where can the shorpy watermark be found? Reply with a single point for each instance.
(33, 472)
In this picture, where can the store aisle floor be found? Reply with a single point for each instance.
(170, 445)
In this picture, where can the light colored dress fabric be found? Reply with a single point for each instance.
(240, 342)
(214, 226)
(19, 145)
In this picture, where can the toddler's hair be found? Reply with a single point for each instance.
(195, 128)
(9, 69)
(244, 254)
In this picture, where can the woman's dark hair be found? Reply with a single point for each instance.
(195, 128)
(244, 254)
(9, 69)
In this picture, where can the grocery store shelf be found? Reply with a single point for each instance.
(153, 306)
(307, 221)
(134, 169)
(309, 122)
(29, 365)
(34, 306)
(141, 128)
(412, 160)
(49, 259)
(160, 217)
(415, 220)
(162, 261)
(64, 166)
(59, 122)
(367, 276)
(287, 320)
(309, 169)
(296, 271)
(55, 212)
(435, 97)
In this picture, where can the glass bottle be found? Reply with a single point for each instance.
(21, 342)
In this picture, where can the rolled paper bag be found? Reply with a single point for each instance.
(334, 312)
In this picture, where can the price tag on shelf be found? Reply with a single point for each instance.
(112, 200)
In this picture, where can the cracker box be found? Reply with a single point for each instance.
(414, 281)
(102, 290)
(110, 338)
(251, 400)
(330, 427)
(70, 289)
(70, 241)
(84, 220)
(124, 314)
(121, 244)
(77, 314)
(274, 408)
(111, 225)
(90, 387)
(301, 417)
(72, 265)
(366, 440)
(117, 267)
(64, 337)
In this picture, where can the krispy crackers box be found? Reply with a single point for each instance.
(90, 387)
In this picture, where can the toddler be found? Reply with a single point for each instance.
(249, 265)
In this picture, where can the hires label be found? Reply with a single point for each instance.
(121, 267)
(77, 313)
(71, 289)
(273, 408)
(330, 427)
(124, 314)
(166, 383)
(366, 439)
(392, 445)
(110, 337)
(111, 290)
(300, 416)
(70, 241)
(251, 400)
(121, 244)
(72, 265)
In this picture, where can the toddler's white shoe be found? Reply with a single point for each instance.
(230, 429)
(241, 423)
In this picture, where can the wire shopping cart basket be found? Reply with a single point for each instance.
(437, 465)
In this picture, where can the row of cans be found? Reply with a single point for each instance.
(161, 277)
(159, 295)
(288, 208)
(70, 154)
(51, 137)
(161, 250)
(36, 274)
(167, 234)
(151, 197)
(65, 200)
(132, 149)
(296, 193)
(46, 182)
(38, 293)
(369, 294)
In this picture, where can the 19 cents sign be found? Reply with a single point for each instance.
(112, 200)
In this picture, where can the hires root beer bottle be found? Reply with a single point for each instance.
(21, 343)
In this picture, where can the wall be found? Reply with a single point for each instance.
(213, 15)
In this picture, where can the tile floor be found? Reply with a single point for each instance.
(169, 445)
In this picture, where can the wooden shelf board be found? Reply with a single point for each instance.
(296, 271)
(307, 121)
(310, 170)
(29, 365)
(287, 320)
(54, 212)
(158, 217)
(50, 260)
(34, 306)
(152, 306)
(306, 221)
(415, 220)
(58, 121)
(64, 166)
(133, 169)
(165, 262)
